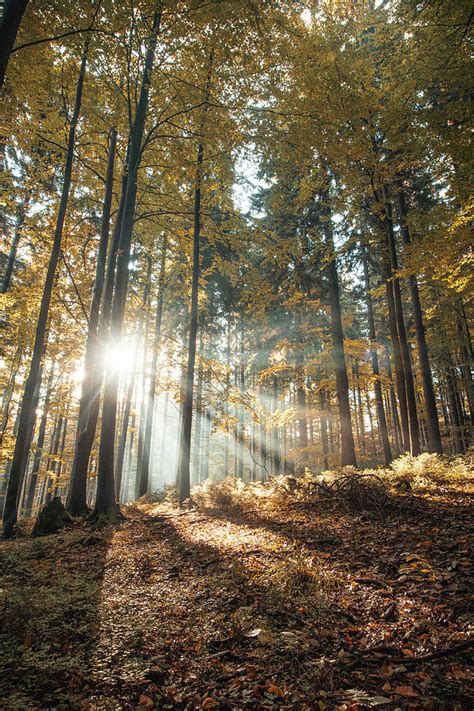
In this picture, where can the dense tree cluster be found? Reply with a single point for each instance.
(236, 242)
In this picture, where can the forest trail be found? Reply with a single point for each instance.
(307, 607)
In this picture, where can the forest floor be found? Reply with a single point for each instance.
(290, 605)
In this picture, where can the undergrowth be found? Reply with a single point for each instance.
(371, 490)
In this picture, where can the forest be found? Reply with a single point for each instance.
(236, 364)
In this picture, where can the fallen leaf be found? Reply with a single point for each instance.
(405, 691)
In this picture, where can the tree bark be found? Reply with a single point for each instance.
(39, 444)
(185, 439)
(387, 452)
(105, 502)
(13, 11)
(426, 376)
(414, 435)
(7, 277)
(348, 456)
(90, 390)
(144, 473)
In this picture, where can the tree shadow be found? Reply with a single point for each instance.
(51, 597)
(358, 540)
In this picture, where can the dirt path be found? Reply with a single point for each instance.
(294, 609)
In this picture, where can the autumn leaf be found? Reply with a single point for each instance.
(405, 691)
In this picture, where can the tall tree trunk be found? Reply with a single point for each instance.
(348, 456)
(426, 376)
(10, 389)
(455, 418)
(276, 432)
(397, 430)
(185, 439)
(397, 356)
(204, 468)
(198, 421)
(359, 406)
(122, 440)
(414, 435)
(324, 427)
(13, 11)
(241, 387)
(226, 403)
(105, 502)
(164, 431)
(10, 513)
(387, 452)
(56, 438)
(39, 444)
(143, 392)
(89, 401)
(144, 472)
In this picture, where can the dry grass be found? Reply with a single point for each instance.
(369, 490)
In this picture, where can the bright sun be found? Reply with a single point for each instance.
(120, 358)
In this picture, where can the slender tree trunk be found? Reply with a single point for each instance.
(397, 356)
(122, 441)
(13, 11)
(7, 277)
(466, 363)
(146, 459)
(414, 437)
(371, 422)
(324, 427)
(185, 448)
(204, 468)
(426, 376)
(90, 390)
(164, 431)
(105, 502)
(10, 389)
(276, 432)
(58, 466)
(387, 452)
(143, 393)
(348, 456)
(53, 456)
(397, 430)
(226, 404)
(360, 407)
(39, 444)
(455, 419)
(241, 430)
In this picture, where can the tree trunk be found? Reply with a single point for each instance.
(185, 439)
(122, 441)
(455, 419)
(144, 473)
(387, 452)
(105, 502)
(348, 456)
(9, 390)
(426, 376)
(414, 436)
(324, 427)
(90, 390)
(39, 444)
(276, 432)
(7, 277)
(34, 376)
(13, 11)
